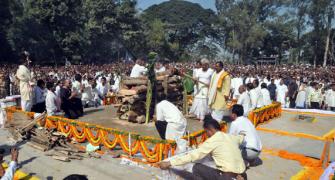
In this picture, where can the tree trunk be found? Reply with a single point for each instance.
(327, 40)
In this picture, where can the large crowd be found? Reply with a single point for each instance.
(71, 88)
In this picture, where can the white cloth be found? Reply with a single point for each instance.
(160, 70)
(330, 170)
(281, 94)
(217, 114)
(243, 125)
(87, 95)
(57, 92)
(212, 91)
(102, 89)
(116, 86)
(249, 80)
(236, 83)
(138, 71)
(166, 111)
(9, 174)
(24, 76)
(199, 108)
(301, 99)
(256, 98)
(266, 97)
(76, 87)
(330, 98)
(52, 103)
(244, 100)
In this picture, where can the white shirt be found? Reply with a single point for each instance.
(243, 125)
(166, 111)
(87, 93)
(266, 97)
(301, 99)
(236, 83)
(244, 100)
(76, 86)
(57, 92)
(9, 173)
(102, 89)
(330, 98)
(51, 103)
(138, 71)
(161, 69)
(256, 98)
(281, 92)
(205, 77)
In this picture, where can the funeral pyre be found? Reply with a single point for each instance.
(133, 96)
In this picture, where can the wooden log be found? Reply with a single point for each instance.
(38, 146)
(40, 141)
(75, 157)
(134, 82)
(30, 125)
(61, 158)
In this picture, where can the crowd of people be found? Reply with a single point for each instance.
(73, 87)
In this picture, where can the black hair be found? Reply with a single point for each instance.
(238, 110)
(250, 86)
(76, 177)
(40, 83)
(77, 77)
(103, 78)
(161, 97)
(209, 122)
(220, 63)
(256, 82)
(50, 85)
(263, 85)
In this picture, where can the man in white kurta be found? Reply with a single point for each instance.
(244, 100)
(138, 69)
(300, 102)
(266, 95)
(282, 93)
(167, 113)
(200, 104)
(26, 91)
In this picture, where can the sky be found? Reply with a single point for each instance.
(144, 4)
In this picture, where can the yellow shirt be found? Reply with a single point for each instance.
(224, 149)
(220, 101)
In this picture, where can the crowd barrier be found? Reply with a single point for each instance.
(265, 113)
(152, 149)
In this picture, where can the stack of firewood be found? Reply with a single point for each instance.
(57, 144)
(134, 92)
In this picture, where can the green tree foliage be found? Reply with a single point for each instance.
(183, 23)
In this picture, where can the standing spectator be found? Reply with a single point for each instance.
(292, 92)
(314, 97)
(272, 90)
(300, 101)
(244, 99)
(39, 97)
(266, 95)
(282, 93)
(77, 90)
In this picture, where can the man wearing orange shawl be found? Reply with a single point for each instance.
(219, 92)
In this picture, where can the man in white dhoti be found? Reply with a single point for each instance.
(170, 122)
(24, 76)
(282, 93)
(244, 100)
(203, 77)
(219, 90)
(330, 98)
